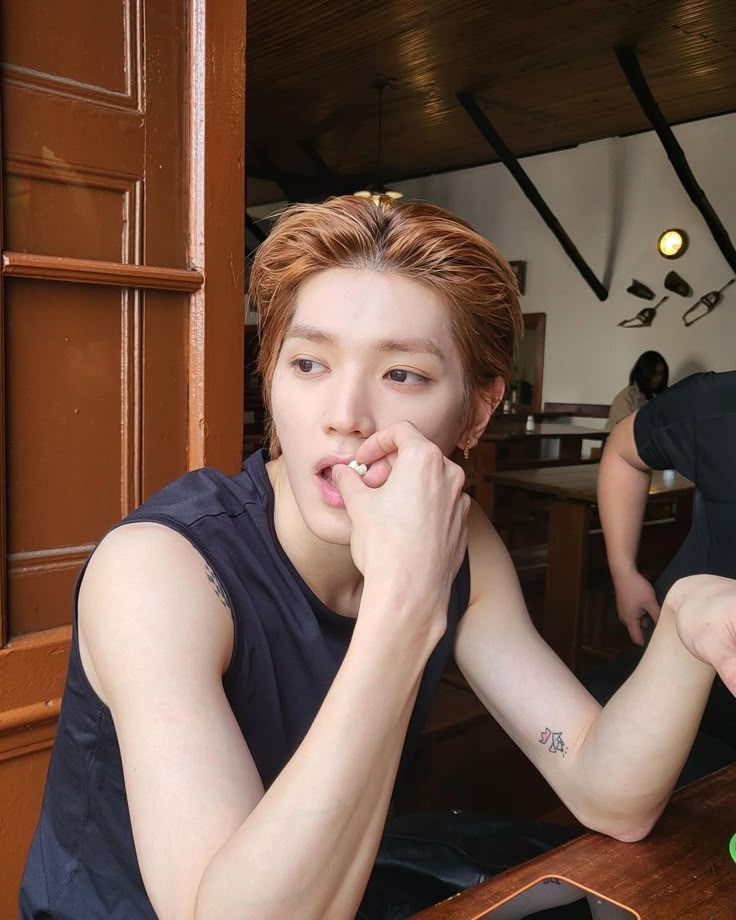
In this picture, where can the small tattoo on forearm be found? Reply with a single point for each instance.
(217, 585)
(554, 741)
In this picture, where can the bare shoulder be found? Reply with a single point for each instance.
(155, 638)
(148, 596)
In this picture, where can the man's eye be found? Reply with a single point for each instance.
(399, 375)
(306, 365)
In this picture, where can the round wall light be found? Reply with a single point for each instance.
(672, 244)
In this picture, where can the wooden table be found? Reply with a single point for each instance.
(506, 444)
(574, 500)
(682, 871)
(508, 426)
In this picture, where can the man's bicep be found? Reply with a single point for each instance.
(190, 782)
(157, 638)
(622, 443)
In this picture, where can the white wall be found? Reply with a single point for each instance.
(613, 197)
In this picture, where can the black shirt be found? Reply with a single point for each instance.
(288, 646)
(691, 428)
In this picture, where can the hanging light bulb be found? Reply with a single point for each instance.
(378, 194)
(385, 197)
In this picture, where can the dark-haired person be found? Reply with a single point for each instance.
(253, 654)
(648, 378)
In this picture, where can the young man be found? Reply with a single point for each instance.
(253, 654)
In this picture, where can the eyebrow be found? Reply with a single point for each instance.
(407, 346)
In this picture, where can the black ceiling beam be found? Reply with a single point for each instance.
(320, 167)
(468, 102)
(311, 185)
(258, 232)
(629, 62)
(269, 174)
(298, 187)
(331, 182)
(290, 185)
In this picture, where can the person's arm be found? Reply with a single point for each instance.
(308, 847)
(615, 767)
(623, 488)
(624, 403)
(156, 640)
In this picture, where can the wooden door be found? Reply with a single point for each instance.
(120, 366)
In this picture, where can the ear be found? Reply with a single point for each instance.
(486, 404)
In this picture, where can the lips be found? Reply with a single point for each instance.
(323, 470)
(325, 465)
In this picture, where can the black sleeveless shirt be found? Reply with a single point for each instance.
(288, 646)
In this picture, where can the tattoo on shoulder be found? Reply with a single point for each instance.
(217, 585)
(554, 741)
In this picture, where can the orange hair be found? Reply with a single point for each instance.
(418, 241)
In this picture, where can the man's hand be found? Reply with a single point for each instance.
(705, 614)
(635, 600)
(408, 516)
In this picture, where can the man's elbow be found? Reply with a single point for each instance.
(626, 828)
(633, 832)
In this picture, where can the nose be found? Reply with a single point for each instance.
(348, 409)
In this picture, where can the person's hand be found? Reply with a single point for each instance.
(704, 607)
(408, 516)
(635, 600)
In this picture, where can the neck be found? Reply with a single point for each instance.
(327, 568)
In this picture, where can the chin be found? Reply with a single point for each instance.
(328, 528)
(330, 525)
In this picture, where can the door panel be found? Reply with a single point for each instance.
(165, 378)
(63, 412)
(122, 221)
(64, 133)
(98, 213)
(64, 418)
(95, 54)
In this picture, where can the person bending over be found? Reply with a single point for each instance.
(252, 654)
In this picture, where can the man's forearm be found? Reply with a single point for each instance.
(636, 748)
(308, 847)
(622, 498)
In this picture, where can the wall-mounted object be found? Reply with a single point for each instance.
(677, 284)
(645, 316)
(707, 303)
(519, 269)
(639, 289)
(673, 243)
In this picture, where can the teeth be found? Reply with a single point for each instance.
(360, 468)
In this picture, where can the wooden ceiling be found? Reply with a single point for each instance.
(544, 72)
